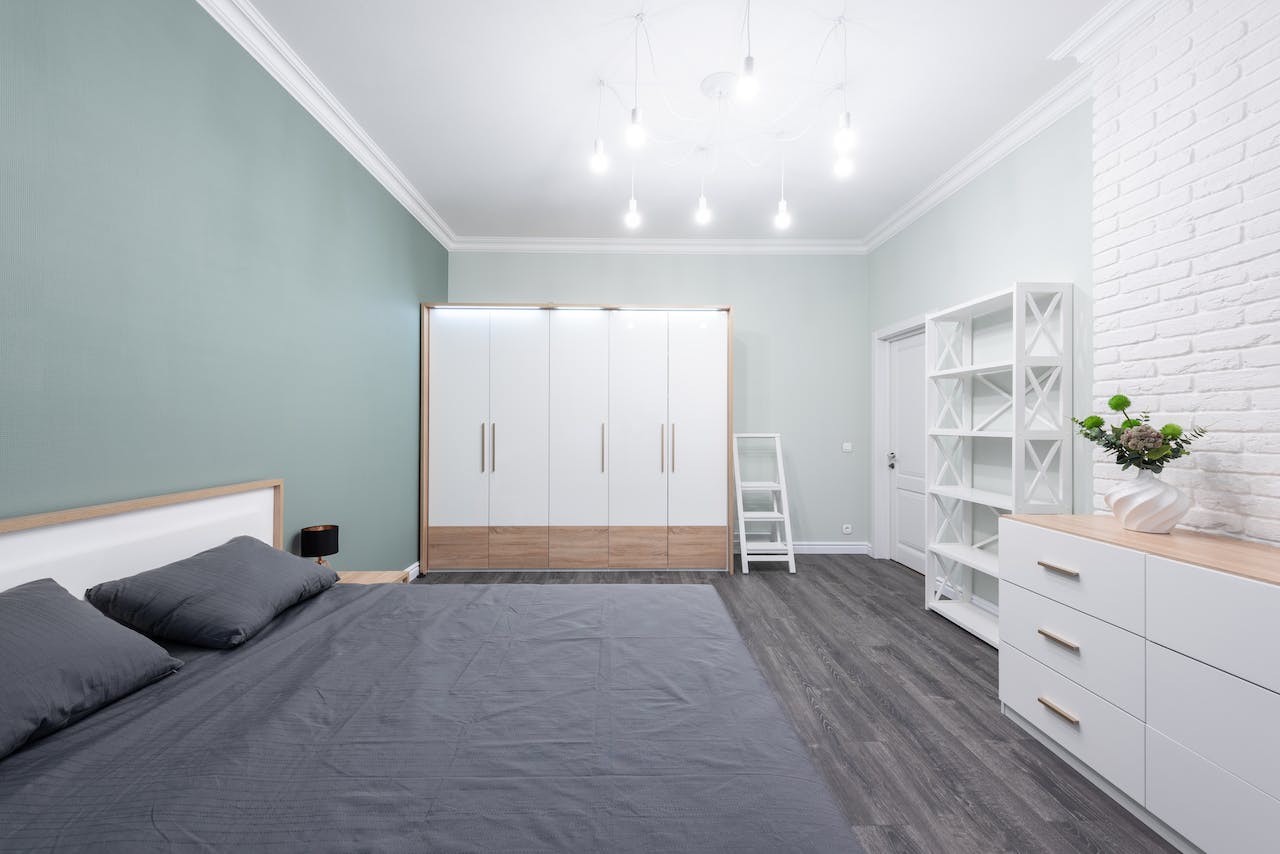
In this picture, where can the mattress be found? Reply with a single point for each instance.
(451, 718)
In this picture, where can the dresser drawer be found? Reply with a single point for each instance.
(1104, 737)
(1226, 720)
(1218, 618)
(1107, 660)
(1214, 809)
(1101, 580)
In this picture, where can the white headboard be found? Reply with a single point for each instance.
(88, 545)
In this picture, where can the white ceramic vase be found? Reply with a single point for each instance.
(1148, 504)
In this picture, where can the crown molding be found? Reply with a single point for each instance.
(1056, 103)
(655, 246)
(256, 35)
(1108, 26)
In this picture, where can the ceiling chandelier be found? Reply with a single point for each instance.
(741, 87)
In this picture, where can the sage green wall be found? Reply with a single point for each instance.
(198, 285)
(800, 350)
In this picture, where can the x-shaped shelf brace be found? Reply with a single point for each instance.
(952, 343)
(1052, 480)
(1042, 322)
(1041, 395)
(1005, 405)
(950, 461)
(951, 403)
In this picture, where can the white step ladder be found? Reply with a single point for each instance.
(773, 543)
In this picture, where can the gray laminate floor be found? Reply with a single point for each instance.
(899, 709)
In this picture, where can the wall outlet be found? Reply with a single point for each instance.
(846, 528)
(846, 447)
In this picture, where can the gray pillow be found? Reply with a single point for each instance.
(60, 660)
(219, 598)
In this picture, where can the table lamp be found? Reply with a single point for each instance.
(320, 541)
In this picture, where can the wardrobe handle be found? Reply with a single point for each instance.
(601, 447)
(481, 447)
(673, 447)
(662, 447)
(493, 446)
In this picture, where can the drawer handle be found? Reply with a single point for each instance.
(1061, 570)
(1059, 711)
(1060, 640)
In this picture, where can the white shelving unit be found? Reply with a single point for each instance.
(998, 398)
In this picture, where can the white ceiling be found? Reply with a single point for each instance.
(489, 107)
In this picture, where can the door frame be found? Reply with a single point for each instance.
(881, 342)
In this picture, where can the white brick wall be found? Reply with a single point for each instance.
(1186, 224)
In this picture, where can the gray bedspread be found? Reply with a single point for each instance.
(451, 718)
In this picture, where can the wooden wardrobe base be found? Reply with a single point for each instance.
(577, 547)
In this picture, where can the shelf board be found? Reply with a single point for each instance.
(974, 434)
(762, 516)
(988, 563)
(969, 617)
(1001, 301)
(973, 370)
(974, 496)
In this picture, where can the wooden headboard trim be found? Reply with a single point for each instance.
(77, 514)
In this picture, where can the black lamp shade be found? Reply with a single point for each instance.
(319, 541)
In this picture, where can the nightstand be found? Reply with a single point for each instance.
(393, 576)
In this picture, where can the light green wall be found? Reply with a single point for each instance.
(800, 350)
(1028, 218)
(198, 285)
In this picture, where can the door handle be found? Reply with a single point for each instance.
(601, 447)
(493, 447)
(673, 447)
(481, 447)
(662, 447)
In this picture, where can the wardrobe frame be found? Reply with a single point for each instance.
(425, 398)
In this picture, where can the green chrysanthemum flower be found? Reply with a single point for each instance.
(1171, 431)
(1119, 403)
(1092, 421)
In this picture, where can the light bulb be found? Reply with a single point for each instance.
(782, 219)
(599, 160)
(632, 217)
(843, 167)
(702, 215)
(845, 137)
(748, 83)
(635, 131)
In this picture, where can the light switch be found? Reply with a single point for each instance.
(847, 447)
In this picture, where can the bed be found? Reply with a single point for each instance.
(440, 718)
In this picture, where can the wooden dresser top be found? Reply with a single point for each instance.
(1258, 561)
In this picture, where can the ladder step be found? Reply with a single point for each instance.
(760, 486)
(762, 516)
(766, 550)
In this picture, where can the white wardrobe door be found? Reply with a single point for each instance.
(518, 385)
(697, 390)
(458, 417)
(637, 418)
(579, 415)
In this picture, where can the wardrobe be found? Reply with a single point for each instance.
(576, 437)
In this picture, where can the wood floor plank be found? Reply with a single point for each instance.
(898, 708)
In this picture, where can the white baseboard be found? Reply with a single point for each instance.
(824, 548)
(414, 570)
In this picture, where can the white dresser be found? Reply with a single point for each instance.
(1152, 663)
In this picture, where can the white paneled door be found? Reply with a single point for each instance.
(697, 439)
(458, 417)
(579, 364)
(907, 457)
(637, 434)
(518, 417)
